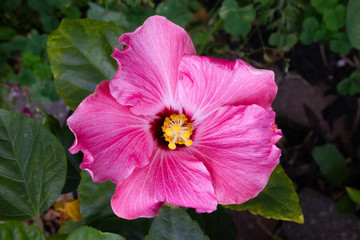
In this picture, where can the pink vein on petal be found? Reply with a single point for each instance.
(235, 145)
(207, 83)
(114, 141)
(147, 81)
(174, 177)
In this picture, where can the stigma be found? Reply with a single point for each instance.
(177, 130)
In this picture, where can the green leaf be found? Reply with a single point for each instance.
(27, 77)
(345, 205)
(60, 4)
(95, 206)
(177, 11)
(228, 7)
(354, 194)
(66, 138)
(89, 233)
(274, 39)
(332, 164)
(29, 59)
(174, 223)
(247, 13)
(96, 12)
(322, 5)
(136, 17)
(34, 43)
(132, 3)
(334, 18)
(290, 40)
(39, 6)
(6, 33)
(32, 167)
(130, 229)
(17, 231)
(95, 197)
(350, 85)
(6, 75)
(48, 92)
(79, 53)
(70, 226)
(9, 5)
(42, 70)
(5, 52)
(340, 44)
(352, 23)
(323, 35)
(49, 21)
(71, 12)
(278, 200)
(237, 21)
(57, 237)
(283, 42)
(310, 26)
(217, 225)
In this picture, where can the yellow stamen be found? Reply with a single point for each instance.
(273, 126)
(168, 132)
(186, 135)
(177, 130)
(172, 145)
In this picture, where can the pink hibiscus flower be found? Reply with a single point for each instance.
(172, 127)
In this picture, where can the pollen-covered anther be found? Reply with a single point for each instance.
(274, 126)
(177, 130)
(168, 132)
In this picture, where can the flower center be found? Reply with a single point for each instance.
(177, 130)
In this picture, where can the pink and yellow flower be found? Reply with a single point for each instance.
(172, 127)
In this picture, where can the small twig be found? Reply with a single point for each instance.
(261, 49)
(357, 117)
(267, 231)
(323, 56)
(356, 60)
(301, 145)
(212, 31)
(348, 61)
(261, 39)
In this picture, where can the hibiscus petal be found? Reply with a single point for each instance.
(114, 141)
(236, 145)
(149, 66)
(173, 177)
(207, 83)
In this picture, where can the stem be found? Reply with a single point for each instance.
(267, 231)
(260, 37)
(261, 49)
(106, 5)
(214, 9)
(323, 56)
(39, 223)
(356, 60)
(213, 29)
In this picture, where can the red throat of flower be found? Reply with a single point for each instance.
(177, 130)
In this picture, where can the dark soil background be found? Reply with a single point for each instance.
(310, 112)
